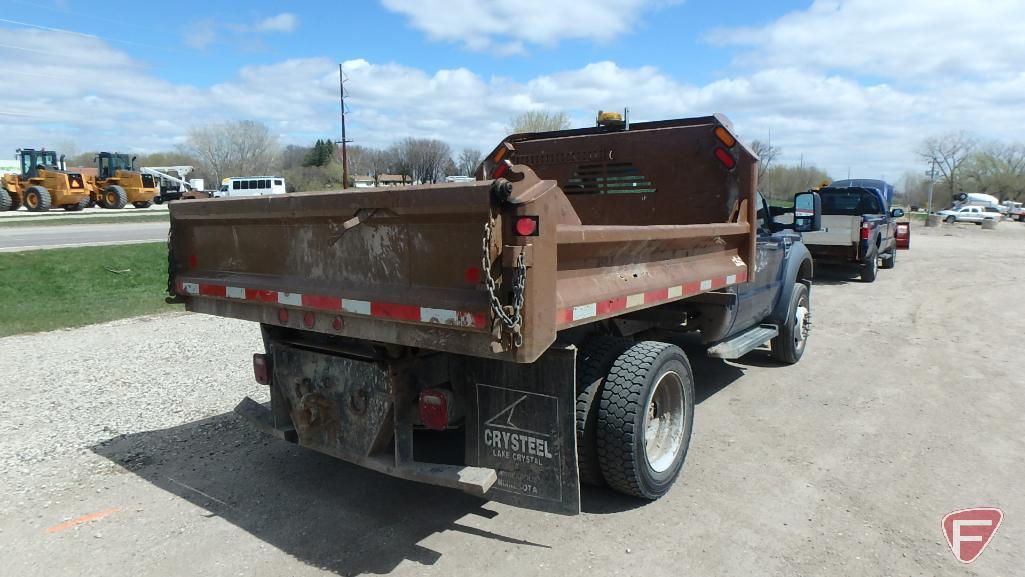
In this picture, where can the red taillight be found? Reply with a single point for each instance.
(337, 323)
(435, 407)
(725, 157)
(260, 369)
(865, 231)
(527, 226)
(472, 275)
(283, 316)
(308, 320)
(500, 169)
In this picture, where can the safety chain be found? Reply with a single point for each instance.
(510, 316)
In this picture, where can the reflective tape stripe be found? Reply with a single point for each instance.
(653, 297)
(392, 311)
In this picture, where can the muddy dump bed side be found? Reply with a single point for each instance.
(624, 220)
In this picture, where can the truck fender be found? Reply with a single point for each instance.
(799, 268)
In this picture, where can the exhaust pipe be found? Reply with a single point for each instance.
(63, 165)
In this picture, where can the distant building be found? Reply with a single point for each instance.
(367, 181)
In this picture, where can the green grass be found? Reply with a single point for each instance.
(58, 220)
(50, 289)
(780, 202)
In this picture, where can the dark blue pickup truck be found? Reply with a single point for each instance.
(857, 228)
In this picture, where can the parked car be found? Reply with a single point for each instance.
(856, 229)
(975, 214)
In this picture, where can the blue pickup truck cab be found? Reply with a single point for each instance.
(858, 229)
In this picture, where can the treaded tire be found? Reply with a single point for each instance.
(951, 219)
(5, 201)
(870, 269)
(144, 204)
(890, 260)
(625, 400)
(114, 197)
(77, 207)
(37, 199)
(785, 346)
(596, 357)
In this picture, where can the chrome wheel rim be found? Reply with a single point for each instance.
(802, 323)
(664, 422)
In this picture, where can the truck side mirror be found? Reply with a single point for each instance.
(897, 213)
(807, 212)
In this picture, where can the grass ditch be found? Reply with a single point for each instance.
(57, 220)
(43, 290)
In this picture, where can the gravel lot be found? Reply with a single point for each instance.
(907, 405)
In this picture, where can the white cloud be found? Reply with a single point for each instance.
(200, 35)
(829, 118)
(910, 40)
(505, 27)
(284, 22)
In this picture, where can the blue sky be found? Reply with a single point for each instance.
(844, 84)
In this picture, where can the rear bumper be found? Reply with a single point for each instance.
(836, 253)
(511, 436)
(474, 480)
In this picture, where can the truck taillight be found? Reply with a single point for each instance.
(435, 408)
(528, 226)
(725, 157)
(865, 231)
(260, 369)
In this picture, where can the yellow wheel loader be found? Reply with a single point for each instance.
(118, 183)
(43, 183)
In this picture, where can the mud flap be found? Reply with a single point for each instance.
(523, 426)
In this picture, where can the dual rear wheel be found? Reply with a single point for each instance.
(634, 425)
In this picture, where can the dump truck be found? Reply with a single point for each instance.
(515, 335)
(117, 183)
(43, 182)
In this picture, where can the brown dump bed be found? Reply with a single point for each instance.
(624, 219)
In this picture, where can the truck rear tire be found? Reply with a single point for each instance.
(788, 345)
(890, 260)
(596, 357)
(5, 201)
(37, 199)
(870, 269)
(645, 419)
(114, 197)
(144, 204)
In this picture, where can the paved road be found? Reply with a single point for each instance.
(88, 213)
(907, 405)
(63, 236)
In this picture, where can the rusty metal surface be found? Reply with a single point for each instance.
(619, 212)
(339, 406)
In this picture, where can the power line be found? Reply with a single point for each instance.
(87, 35)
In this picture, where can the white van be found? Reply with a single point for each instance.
(251, 186)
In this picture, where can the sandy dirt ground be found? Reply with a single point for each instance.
(121, 456)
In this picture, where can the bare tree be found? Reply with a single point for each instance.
(421, 158)
(539, 121)
(469, 158)
(998, 169)
(234, 148)
(783, 181)
(949, 153)
(767, 154)
(360, 160)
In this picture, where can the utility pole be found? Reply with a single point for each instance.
(343, 141)
(932, 178)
